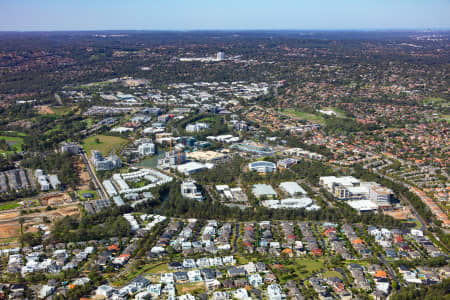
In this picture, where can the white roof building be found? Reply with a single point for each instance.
(292, 188)
(346, 181)
(104, 290)
(274, 292)
(190, 190)
(146, 149)
(241, 294)
(260, 190)
(110, 189)
(46, 291)
(54, 181)
(289, 203)
(262, 166)
(193, 167)
(363, 205)
(122, 129)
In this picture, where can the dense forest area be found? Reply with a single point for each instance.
(176, 205)
(55, 163)
(440, 291)
(107, 223)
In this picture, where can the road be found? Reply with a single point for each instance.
(207, 188)
(90, 168)
(58, 98)
(236, 238)
(389, 268)
(423, 224)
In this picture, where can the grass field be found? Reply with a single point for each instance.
(105, 145)
(54, 129)
(303, 115)
(445, 118)
(328, 274)
(153, 268)
(206, 119)
(436, 101)
(16, 142)
(94, 193)
(94, 84)
(62, 110)
(339, 112)
(163, 268)
(9, 206)
(306, 267)
(300, 268)
(15, 133)
(89, 122)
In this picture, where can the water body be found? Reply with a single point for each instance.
(151, 161)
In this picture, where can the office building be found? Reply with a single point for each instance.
(146, 149)
(105, 163)
(220, 56)
(190, 190)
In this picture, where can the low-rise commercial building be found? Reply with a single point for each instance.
(262, 166)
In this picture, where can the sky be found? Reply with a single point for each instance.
(48, 15)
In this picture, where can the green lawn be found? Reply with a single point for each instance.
(54, 129)
(299, 268)
(329, 273)
(163, 268)
(414, 221)
(339, 112)
(136, 271)
(436, 101)
(105, 145)
(62, 110)
(9, 206)
(207, 119)
(94, 84)
(241, 260)
(89, 122)
(18, 141)
(305, 267)
(15, 133)
(94, 193)
(445, 118)
(303, 115)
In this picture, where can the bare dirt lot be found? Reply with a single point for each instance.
(45, 109)
(9, 222)
(54, 199)
(9, 230)
(400, 214)
(83, 174)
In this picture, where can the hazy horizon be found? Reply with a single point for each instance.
(201, 15)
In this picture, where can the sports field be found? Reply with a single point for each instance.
(303, 115)
(105, 143)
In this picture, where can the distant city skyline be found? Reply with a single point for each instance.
(49, 15)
